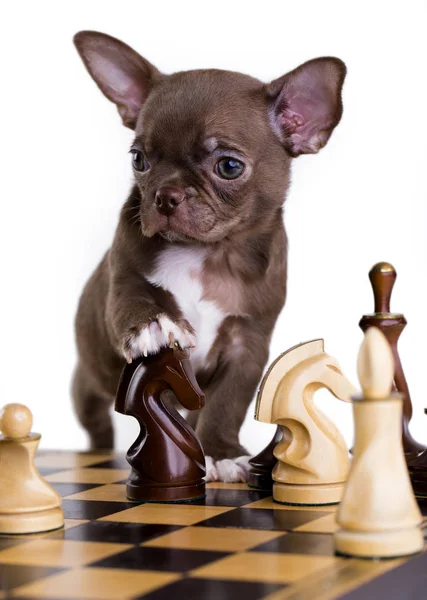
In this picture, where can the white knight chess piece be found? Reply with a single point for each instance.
(312, 457)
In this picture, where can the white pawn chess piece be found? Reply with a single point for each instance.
(28, 504)
(379, 516)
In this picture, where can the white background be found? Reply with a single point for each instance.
(65, 172)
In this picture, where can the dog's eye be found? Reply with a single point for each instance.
(229, 168)
(139, 162)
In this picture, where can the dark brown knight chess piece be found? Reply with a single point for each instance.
(263, 463)
(382, 277)
(167, 460)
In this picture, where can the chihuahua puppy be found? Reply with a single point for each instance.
(200, 250)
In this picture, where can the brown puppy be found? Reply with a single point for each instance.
(200, 248)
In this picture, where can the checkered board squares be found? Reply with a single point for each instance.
(236, 543)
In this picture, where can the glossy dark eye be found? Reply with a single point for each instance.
(139, 162)
(229, 168)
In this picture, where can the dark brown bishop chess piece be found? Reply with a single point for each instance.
(167, 460)
(263, 463)
(382, 277)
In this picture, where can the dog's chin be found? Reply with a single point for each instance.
(176, 229)
(175, 236)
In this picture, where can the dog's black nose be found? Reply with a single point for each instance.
(168, 198)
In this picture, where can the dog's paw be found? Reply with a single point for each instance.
(156, 335)
(234, 470)
(211, 472)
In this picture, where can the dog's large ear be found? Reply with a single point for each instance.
(305, 104)
(121, 73)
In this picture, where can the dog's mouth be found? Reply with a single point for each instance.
(183, 225)
(175, 231)
(175, 236)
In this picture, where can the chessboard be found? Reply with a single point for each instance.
(234, 544)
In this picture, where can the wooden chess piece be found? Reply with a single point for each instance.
(28, 504)
(167, 460)
(260, 475)
(312, 458)
(382, 277)
(418, 473)
(379, 516)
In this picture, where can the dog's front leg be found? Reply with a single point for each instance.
(143, 319)
(228, 395)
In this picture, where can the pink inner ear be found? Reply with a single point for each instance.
(308, 105)
(119, 83)
(122, 75)
(307, 117)
(291, 120)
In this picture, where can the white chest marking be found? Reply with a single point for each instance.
(177, 269)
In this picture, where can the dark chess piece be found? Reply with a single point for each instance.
(263, 463)
(418, 472)
(382, 277)
(167, 460)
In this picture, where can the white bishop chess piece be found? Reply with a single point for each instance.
(28, 504)
(379, 516)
